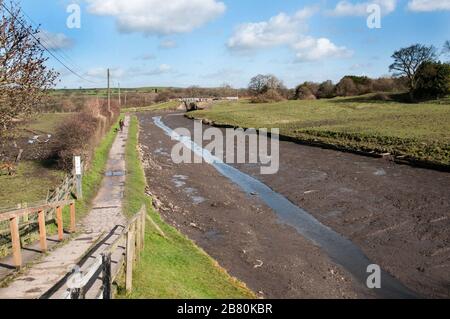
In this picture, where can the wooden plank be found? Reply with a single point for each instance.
(42, 231)
(129, 261)
(59, 221)
(15, 238)
(73, 225)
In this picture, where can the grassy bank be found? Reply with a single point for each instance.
(171, 267)
(420, 131)
(156, 107)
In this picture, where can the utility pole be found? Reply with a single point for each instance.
(109, 94)
(120, 101)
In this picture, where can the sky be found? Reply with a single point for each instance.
(210, 43)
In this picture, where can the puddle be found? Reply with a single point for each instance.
(339, 249)
(115, 173)
(161, 151)
(180, 181)
(380, 172)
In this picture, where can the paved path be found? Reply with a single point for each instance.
(105, 215)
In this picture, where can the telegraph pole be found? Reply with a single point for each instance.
(120, 101)
(109, 93)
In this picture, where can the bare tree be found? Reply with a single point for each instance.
(262, 83)
(408, 60)
(24, 77)
(446, 49)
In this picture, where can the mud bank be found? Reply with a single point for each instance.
(398, 215)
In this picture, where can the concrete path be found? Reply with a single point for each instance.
(99, 227)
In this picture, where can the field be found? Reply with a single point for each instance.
(171, 267)
(416, 131)
(156, 107)
(34, 177)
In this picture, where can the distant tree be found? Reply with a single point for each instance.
(306, 91)
(408, 60)
(24, 77)
(446, 48)
(433, 80)
(346, 87)
(260, 84)
(326, 90)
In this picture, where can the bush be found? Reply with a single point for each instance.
(304, 92)
(433, 80)
(268, 97)
(326, 90)
(83, 131)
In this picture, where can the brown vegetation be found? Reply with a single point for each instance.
(82, 132)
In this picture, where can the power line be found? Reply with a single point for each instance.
(45, 48)
(65, 56)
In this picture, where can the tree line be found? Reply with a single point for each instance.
(416, 70)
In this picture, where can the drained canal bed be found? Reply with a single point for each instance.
(339, 249)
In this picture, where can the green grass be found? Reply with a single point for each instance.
(156, 107)
(420, 131)
(44, 123)
(30, 185)
(172, 267)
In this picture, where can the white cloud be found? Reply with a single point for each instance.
(278, 30)
(158, 17)
(167, 44)
(311, 49)
(286, 30)
(54, 41)
(429, 5)
(347, 8)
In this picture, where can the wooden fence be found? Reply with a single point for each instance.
(62, 193)
(134, 237)
(14, 216)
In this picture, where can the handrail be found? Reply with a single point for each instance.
(32, 210)
(134, 234)
(14, 215)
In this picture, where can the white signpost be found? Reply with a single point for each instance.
(78, 174)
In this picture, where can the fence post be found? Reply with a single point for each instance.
(107, 277)
(15, 238)
(42, 231)
(143, 217)
(138, 237)
(78, 173)
(73, 226)
(129, 260)
(59, 221)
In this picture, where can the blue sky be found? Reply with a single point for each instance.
(212, 42)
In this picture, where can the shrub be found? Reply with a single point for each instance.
(326, 90)
(81, 132)
(267, 97)
(346, 87)
(433, 80)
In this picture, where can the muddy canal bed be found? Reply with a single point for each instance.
(398, 216)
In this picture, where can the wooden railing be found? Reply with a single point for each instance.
(134, 236)
(14, 216)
